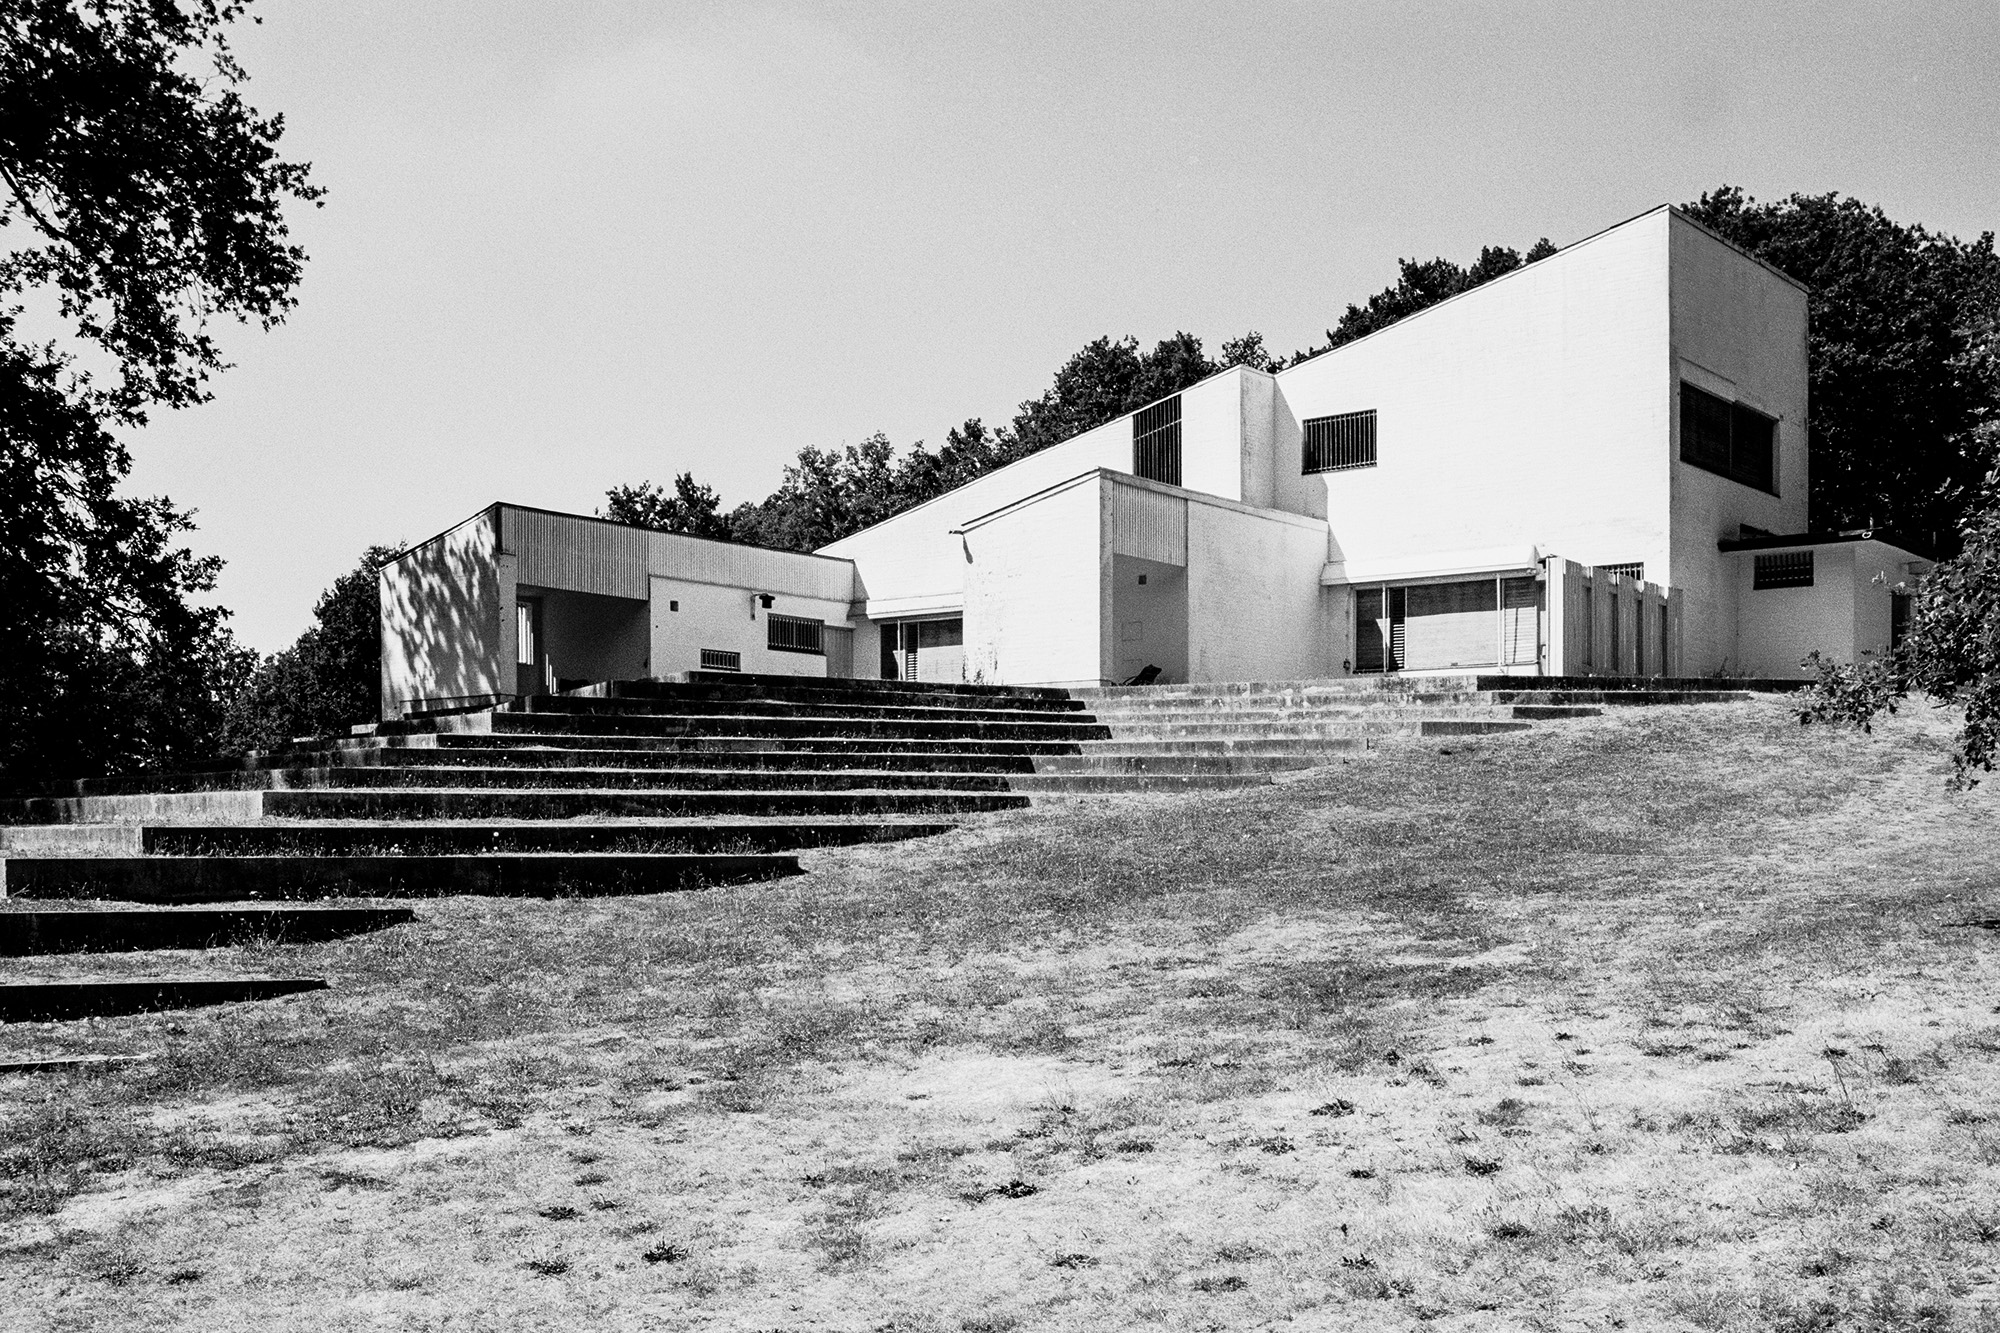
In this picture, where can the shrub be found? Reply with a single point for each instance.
(1848, 694)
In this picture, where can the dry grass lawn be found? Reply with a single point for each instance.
(1657, 1021)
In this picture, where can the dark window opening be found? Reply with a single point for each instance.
(1379, 630)
(1336, 443)
(1156, 442)
(1899, 618)
(1784, 569)
(716, 659)
(1728, 439)
(795, 634)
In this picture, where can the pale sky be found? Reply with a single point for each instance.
(569, 245)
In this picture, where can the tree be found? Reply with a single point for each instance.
(828, 494)
(1901, 371)
(328, 679)
(1420, 285)
(693, 508)
(142, 199)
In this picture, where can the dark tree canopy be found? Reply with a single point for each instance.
(1422, 284)
(829, 493)
(326, 681)
(142, 199)
(1900, 355)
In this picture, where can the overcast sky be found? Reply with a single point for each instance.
(569, 245)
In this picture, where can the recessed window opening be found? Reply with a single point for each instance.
(795, 634)
(1899, 618)
(525, 648)
(717, 659)
(1728, 439)
(1783, 569)
(1336, 443)
(1156, 441)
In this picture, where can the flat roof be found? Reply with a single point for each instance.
(1778, 541)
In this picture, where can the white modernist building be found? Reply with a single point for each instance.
(1594, 465)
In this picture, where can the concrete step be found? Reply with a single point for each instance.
(1251, 744)
(556, 724)
(434, 838)
(1166, 765)
(27, 932)
(1553, 712)
(798, 709)
(1251, 719)
(1450, 728)
(1698, 684)
(1316, 701)
(246, 807)
(718, 744)
(521, 777)
(57, 1001)
(1088, 783)
(525, 757)
(1354, 685)
(734, 680)
(1622, 697)
(207, 879)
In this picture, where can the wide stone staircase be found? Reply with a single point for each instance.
(646, 786)
(652, 786)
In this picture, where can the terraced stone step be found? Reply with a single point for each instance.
(718, 744)
(752, 680)
(246, 807)
(123, 930)
(542, 758)
(1248, 743)
(1165, 765)
(1554, 712)
(1450, 728)
(705, 725)
(1087, 783)
(49, 1001)
(806, 709)
(686, 779)
(1624, 697)
(210, 879)
(433, 838)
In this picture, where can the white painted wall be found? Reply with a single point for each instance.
(712, 615)
(447, 631)
(1256, 610)
(1781, 625)
(912, 563)
(1738, 331)
(1529, 410)
(1036, 605)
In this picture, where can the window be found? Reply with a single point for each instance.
(794, 634)
(1899, 618)
(1156, 442)
(1334, 444)
(1378, 630)
(715, 659)
(525, 647)
(1665, 639)
(1784, 569)
(1634, 570)
(1616, 662)
(1728, 439)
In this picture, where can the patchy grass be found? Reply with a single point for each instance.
(1652, 1021)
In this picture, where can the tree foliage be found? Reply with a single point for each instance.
(1421, 284)
(142, 200)
(327, 680)
(1900, 355)
(828, 494)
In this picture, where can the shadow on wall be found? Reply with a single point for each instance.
(441, 619)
